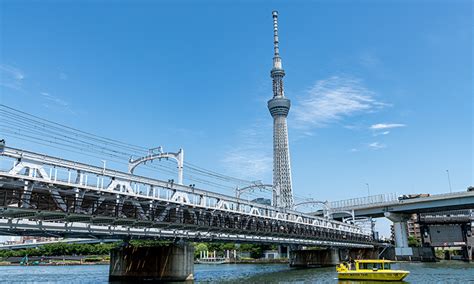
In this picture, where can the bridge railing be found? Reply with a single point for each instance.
(463, 215)
(363, 201)
(37, 168)
(449, 194)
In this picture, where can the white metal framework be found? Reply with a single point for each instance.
(81, 199)
(279, 107)
(312, 202)
(256, 185)
(178, 157)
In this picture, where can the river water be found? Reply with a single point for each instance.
(441, 272)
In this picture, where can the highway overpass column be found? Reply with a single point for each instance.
(400, 228)
(469, 247)
(171, 262)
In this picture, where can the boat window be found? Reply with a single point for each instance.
(373, 266)
(377, 266)
(367, 266)
(386, 266)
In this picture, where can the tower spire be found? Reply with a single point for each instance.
(276, 48)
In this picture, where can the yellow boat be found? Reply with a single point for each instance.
(370, 269)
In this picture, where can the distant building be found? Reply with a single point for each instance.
(271, 254)
(413, 227)
(34, 240)
(10, 240)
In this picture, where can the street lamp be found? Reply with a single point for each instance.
(449, 182)
(368, 189)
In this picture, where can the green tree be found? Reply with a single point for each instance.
(228, 246)
(256, 251)
(413, 242)
(198, 247)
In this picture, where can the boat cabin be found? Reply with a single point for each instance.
(370, 269)
(373, 264)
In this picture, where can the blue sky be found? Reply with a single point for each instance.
(381, 92)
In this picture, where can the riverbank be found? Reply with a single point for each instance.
(104, 260)
(53, 264)
(55, 260)
(262, 261)
(249, 261)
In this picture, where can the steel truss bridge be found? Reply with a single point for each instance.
(48, 196)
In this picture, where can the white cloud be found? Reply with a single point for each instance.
(252, 158)
(57, 104)
(369, 60)
(333, 99)
(381, 133)
(380, 126)
(377, 145)
(11, 77)
(63, 76)
(54, 99)
(14, 72)
(251, 165)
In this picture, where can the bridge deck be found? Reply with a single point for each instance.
(438, 202)
(44, 195)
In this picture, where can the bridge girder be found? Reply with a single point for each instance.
(113, 202)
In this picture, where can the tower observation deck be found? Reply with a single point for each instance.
(279, 106)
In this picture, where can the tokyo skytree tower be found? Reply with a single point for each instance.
(279, 107)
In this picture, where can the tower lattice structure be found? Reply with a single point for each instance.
(279, 107)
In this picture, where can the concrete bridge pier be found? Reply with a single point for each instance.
(283, 251)
(468, 251)
(314, 258)
(167, 263)
(402, 250)
(328, 257)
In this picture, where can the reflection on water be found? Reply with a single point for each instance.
(369, 282)
(442, 272)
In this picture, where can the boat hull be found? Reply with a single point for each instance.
(211, 262)
(373, 275)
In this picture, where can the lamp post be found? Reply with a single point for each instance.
(368, 189)
(449, 182)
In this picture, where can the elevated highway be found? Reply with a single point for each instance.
(399, 210)
(377, 206)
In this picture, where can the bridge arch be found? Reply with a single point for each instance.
(261, 186)
(326, 210)
(178, 157)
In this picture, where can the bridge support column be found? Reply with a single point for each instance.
(283, 251)
(401, 234)
(158, 264)
(469, 248)
(314, 258)
(468, 256)
(329, 257)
